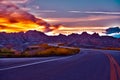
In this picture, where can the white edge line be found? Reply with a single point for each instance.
(45, 61)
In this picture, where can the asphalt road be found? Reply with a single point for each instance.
(88, 65)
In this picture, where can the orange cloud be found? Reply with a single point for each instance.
(14, 19)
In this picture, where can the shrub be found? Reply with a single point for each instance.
(58, 51)
(6, 52)
(43, 50)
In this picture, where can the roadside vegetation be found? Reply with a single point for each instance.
(111, 48)
(41, 50)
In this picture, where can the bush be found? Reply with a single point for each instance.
(42, 50)
(5, 52)
(58, 51)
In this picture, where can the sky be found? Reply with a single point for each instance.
(65, 16)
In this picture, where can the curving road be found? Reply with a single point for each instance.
(90, 64)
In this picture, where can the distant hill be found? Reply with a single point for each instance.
(21, 40)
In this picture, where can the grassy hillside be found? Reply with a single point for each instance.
(40, 50)
(47, 50)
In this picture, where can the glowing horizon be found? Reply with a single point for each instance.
(24, 15)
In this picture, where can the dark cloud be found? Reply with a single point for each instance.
(112, 30)
(3, 27)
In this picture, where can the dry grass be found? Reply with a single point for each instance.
(58, 51)
(41, 50)
(48, 50)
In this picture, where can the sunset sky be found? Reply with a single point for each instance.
(61, 16)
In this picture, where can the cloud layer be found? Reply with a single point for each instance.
(14, 19)
(113, 30)
(23, 15)
(14, 1)
(95, 12)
